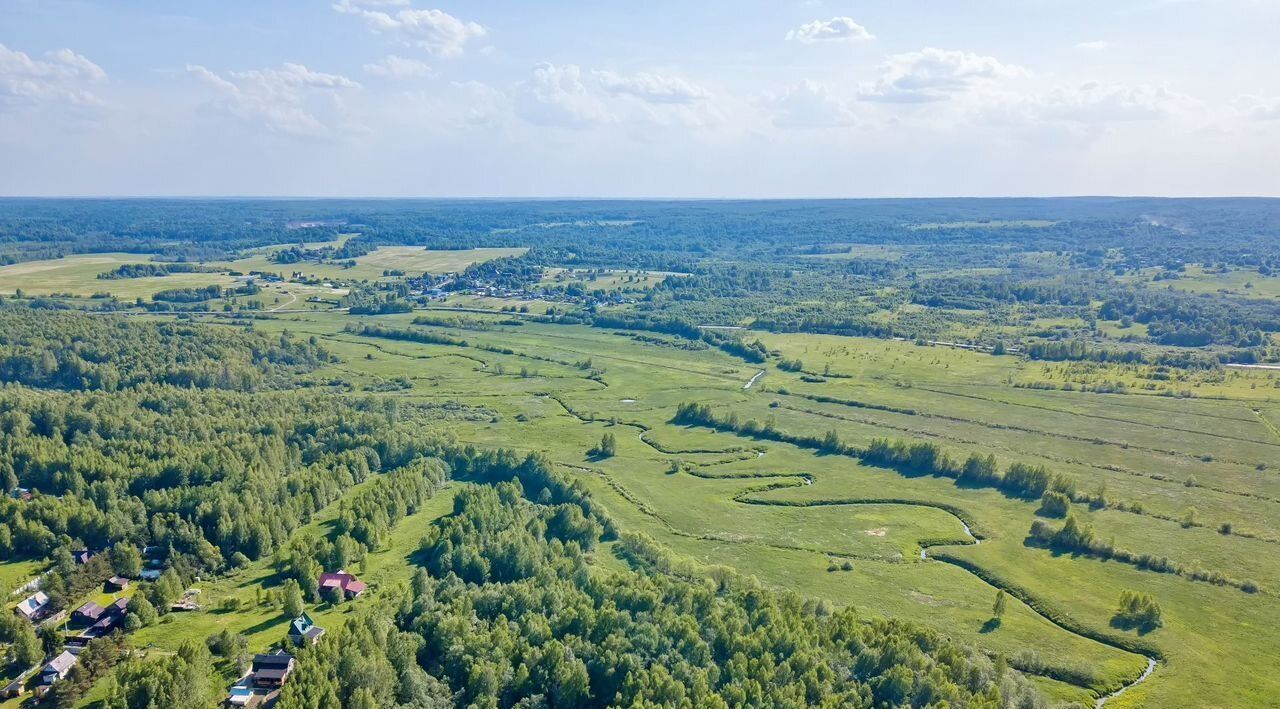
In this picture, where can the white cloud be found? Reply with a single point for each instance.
(485, 106)
(557, 96)
(836, 29)
(570, 96)
(1097, 102)
(935, 75)
(652, 88)
(1264, 108)
(435, 31)
(393, 67)
(62, 75)
(283, 100)
(1096, 45)
(809, 105)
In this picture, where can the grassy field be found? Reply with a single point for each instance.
(1196, 279)
(607, 280)
(832, 526)
(413, 260)
(78, 275)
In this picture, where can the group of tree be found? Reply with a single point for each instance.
(1077, 537)
(65, 350)
(1137, 610)
(153, 270)
(606, 448)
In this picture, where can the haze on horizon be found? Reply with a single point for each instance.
(499, 98)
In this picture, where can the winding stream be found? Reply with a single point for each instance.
(975, 540)
(1151, 663)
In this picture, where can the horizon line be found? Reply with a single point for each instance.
(581, 198)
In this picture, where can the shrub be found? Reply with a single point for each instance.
(1054, 504)
(1137, 610)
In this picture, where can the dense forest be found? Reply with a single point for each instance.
(74, 351)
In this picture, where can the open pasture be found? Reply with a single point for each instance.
(78, 275)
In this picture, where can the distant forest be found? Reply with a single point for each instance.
(994, 266)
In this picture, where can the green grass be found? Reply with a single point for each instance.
(1246, 283)
(77, 275)
(413, 260)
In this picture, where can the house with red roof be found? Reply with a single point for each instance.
(350, 586)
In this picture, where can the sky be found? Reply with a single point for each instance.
(659, 98)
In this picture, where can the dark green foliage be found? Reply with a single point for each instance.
(1054, 504)
(980, 471)
(227, 643)
(511, 614)
(607, 448)
(179, 680)
(292, 598)
(207, 473)
(23, 645)
(1137, 610)
(364, 519)
(188, 295)
(423, 336)
(1026, 480)
(152, 270)
(76, 351)
(95, 661)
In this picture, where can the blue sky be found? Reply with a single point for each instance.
(637, 99)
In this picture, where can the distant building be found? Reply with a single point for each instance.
(273, 670)
(304, 631)
(34, 606)
(82, 556)
(351, 586)
(116, 583)
(58, 668)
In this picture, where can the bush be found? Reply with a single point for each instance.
(1054, 504)
(1137, 610)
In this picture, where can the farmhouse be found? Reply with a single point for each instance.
(34, 606)
(106, 620)
(272, 671)
(350, 586)
(58, 668)
(304, 631)
(115, 583)
(87, 614)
